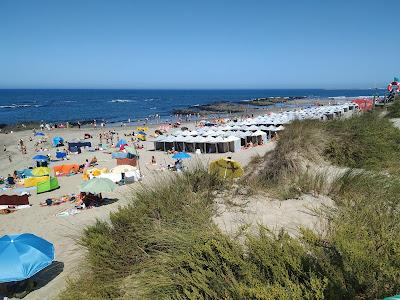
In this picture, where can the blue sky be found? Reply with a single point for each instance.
(198, 44)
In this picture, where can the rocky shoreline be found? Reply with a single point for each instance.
(225, 107)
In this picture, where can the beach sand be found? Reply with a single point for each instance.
(63, 231)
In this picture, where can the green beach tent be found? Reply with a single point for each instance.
(48, 185)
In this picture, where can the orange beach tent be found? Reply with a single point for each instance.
(65, 169)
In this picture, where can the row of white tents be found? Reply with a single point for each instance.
(231, 136)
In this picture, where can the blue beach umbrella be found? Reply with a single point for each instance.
(181, 155)
(57, 140)
(40, 157)
(23, 255)
(39, 134)
(121, 142)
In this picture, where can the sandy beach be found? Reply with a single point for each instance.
(62, 231)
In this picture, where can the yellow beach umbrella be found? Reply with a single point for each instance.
(226, 168)
(142, 128)
(41, 171)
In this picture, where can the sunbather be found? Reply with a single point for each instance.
(10, 180)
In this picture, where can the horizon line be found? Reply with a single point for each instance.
(191, 89)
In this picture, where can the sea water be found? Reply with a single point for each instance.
(120, 105)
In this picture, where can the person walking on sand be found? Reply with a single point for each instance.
(5, 148)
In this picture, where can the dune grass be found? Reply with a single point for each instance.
(368, 141)
(164, 245)
(360, 251)
(394, 108)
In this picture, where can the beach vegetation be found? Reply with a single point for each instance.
(164, 244)
(394, 108)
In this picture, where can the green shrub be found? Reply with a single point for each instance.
(394, 108)
(210, 265)
(115, 249)
(301, 140)
(361, 252)
(367, 141)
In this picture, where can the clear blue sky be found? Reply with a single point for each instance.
(198, 43)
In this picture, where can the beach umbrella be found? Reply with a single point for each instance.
(226, 168)
(23, 255)
(39, 134)
(121, 142)
(58, 140)
(41, 171)
(97, 186)
(123, 169)
(40, 157)
(181, 155)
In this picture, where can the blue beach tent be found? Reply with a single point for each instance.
(39, 134)
(61, 155)
(40, 157)
(23, 255)
(181, 155)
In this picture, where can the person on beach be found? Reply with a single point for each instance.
(87, 164)
(153, 161)
(5, 148)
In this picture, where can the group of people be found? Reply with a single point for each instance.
(88, 164)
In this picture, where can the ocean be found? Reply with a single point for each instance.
(51, 105)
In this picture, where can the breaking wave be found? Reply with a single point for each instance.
(121, 101)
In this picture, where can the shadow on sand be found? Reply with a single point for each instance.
(22, 288)
(48, 274)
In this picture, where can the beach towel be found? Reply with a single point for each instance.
(14, 200)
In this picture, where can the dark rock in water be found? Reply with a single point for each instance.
(233, 107)
(272, 100)
(213, 108)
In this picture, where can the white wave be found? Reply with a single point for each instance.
(153, 107)
(69, 101)
(19, 106)
(121, 101)
(149, 100)
(339, 97)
